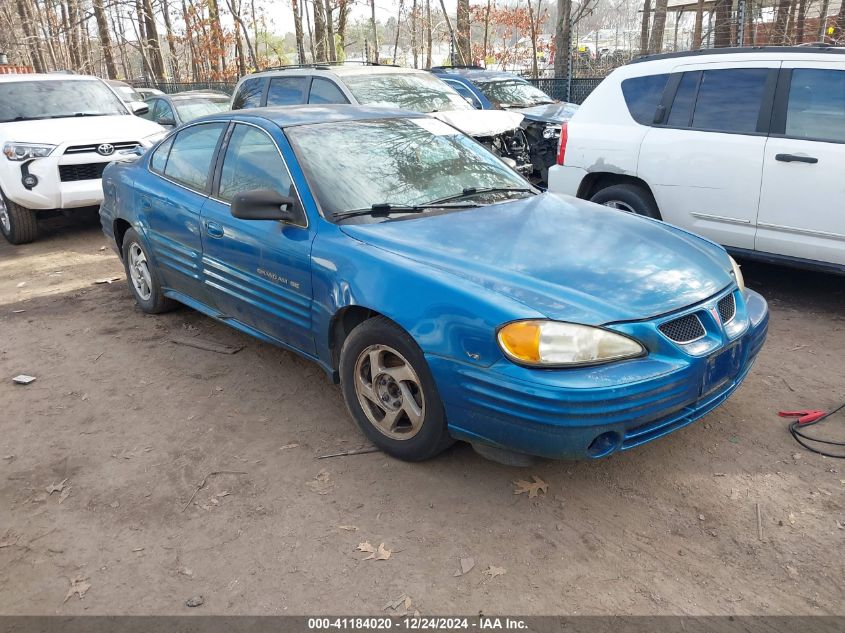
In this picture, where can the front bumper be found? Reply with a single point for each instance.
(595, 411)
(52, 191)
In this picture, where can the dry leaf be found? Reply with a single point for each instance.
(348, 528)
(382, 553)
(65, 494)
(492, 572)
(79, 586)
(408, 603)
(56, 487)
(321, 484)
(291, 445)
(533, 488)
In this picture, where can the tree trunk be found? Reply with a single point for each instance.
(839, 31)
(486, 31)
(699, 20)
(563, 47)
(535, 72)
(414, 44)
(331, 50)
(722, 29)
(644, 29)
(27, 24)
(297, 29)
(398, 24)
(800, 21)
(218, 54)
(235, 9)
(428, 37)
(171, 40)
(375, 29)
(320, 31)
(452, 31)
(342, 20)
(658, 27)
(310, 33)
(462, 26)
(105, 39)
(790, 24)
(153, 45)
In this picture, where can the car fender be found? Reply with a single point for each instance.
(446, 315)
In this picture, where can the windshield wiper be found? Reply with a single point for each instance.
(473, 191)
(86, 114)
(384, 209)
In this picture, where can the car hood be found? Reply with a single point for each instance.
(548, 112)
(80, 129)
(480, 122)
(566, 258)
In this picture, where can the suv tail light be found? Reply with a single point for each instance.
(564, 136)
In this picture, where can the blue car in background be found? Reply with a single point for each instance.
(497, 90)
(450, 299)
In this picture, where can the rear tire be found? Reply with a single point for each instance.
(389, 390)
(18, 224)
(142, 276)
(629, 198)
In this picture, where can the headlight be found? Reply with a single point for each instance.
(552, 343)
(737, 273)
(27, 151)
(551, 131)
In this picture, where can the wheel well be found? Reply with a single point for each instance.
(343, 322)
(595, 182)
(120, 228)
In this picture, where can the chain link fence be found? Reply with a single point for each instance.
(573, 90)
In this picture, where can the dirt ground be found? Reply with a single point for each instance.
(132, 424)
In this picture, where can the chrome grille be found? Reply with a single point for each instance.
(92, 148)
(684, 330)
(91, 171)
(727, 308)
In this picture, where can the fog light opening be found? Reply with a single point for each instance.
(604, 444)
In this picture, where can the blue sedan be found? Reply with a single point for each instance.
(449, 298)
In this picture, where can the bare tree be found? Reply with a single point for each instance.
(297, 29)
(375, 30)
(398, 25)
(699, 19)
(428, 33)
(644, 29)
(462, 41)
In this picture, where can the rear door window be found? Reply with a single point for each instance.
(286, 91)
(249, 94)
(192, 153)
(643, 95)
(325, 91)
(679, 115)
(730, 100)
(816, 108)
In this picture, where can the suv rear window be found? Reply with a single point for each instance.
(286, 91)
(643, 95)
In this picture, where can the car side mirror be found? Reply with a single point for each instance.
(139, 107)
(166, 121)
(263, 204)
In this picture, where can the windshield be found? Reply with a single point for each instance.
(512, 92)
(354, 165)
(408, 91)
(28, 100)
(190, 109)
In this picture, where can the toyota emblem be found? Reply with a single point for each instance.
(105, 149)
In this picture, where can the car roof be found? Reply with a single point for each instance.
(746, 51)
(342, 70)
(196, 94)
(292, 116)
(475, 73)
(46, 77)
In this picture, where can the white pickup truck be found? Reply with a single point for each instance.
(57, 134)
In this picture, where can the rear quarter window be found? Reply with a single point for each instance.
(249, 94)
(643, 95)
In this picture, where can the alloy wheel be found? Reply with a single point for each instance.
(139, 272)
(389, 392)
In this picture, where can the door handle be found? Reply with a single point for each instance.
(213, 229)
(794, 158)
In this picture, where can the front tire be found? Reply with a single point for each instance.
(18, 224)
(142, 276)
(629, 198)
(389, 391)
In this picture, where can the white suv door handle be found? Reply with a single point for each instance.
(794, 158)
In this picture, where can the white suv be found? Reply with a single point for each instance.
(743, 146)
(57, 134)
